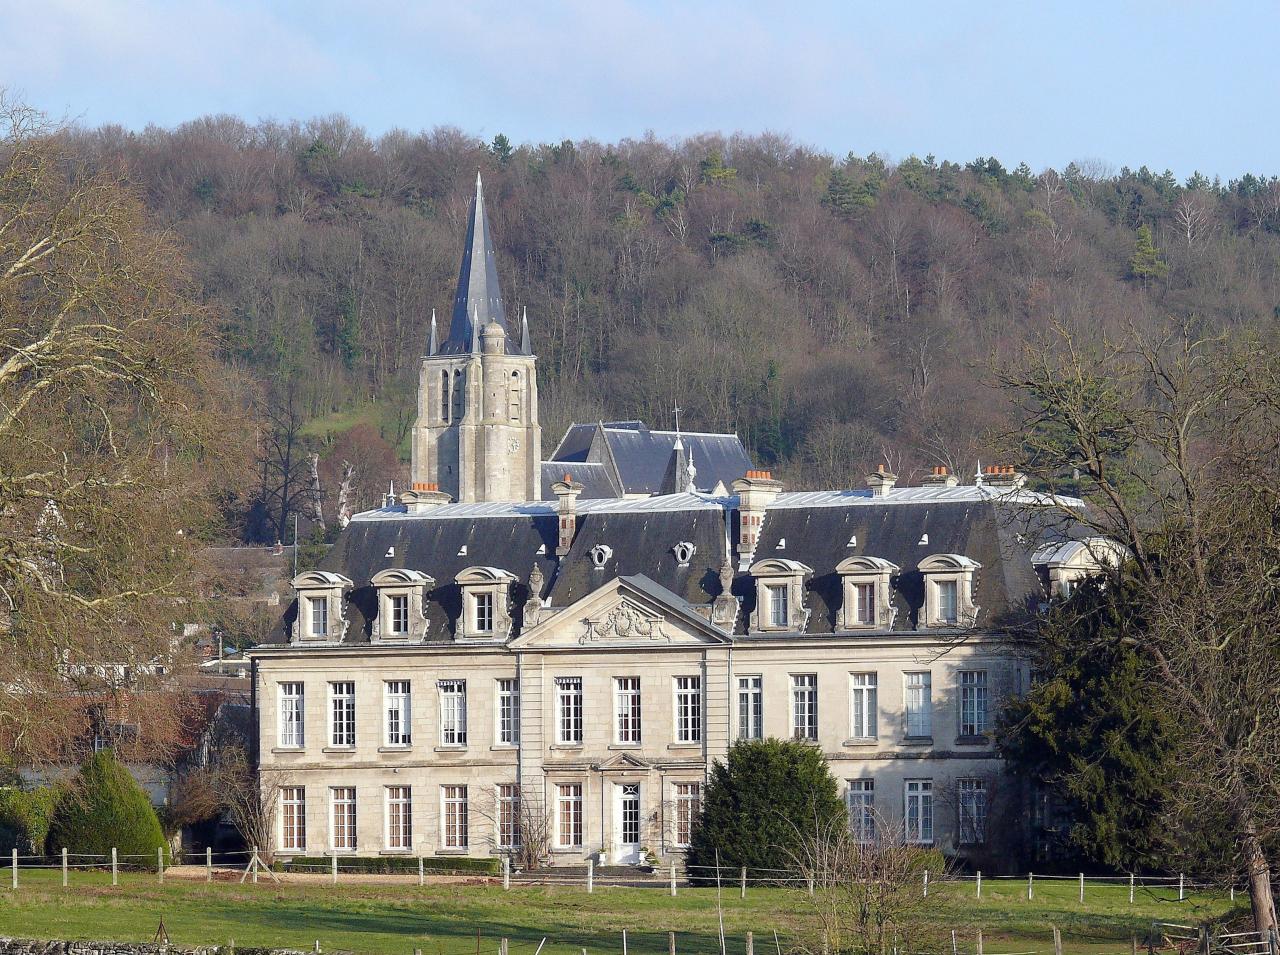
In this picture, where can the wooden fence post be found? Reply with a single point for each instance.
(1131, 888)
(257, 864)
(591, 876)
(744, 882)
(671, 941)
(1030, 886)
(64, 867)
(15, 868)
(506, 872)
(1057, 941)
(422, 875)
(1181, 893)
(115, 869)
(334, 867)
(979, 883)
(673, 895)
(926, 883)
(1082, 888)
(624, 942)
(208, 863)
(160, 864)
(751, 944)
(979, 941)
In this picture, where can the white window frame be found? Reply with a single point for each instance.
(917, 815)
(455, 817)
(687, 797)
(917, 704)
(398, 801)
(342, 714)
(569, 809)
(291, 695)
(627, 710)
(507, 825)
(293, 818)
(779, 609)
(973, 702)
(804, 706)
(864, 705)
(948, 601)
(397, 711)
(318, 615)
(482, 608)
(453, 713)
(569, 705)
(971, 803)
(860, 797)
(343, 798)
(751, 706)
(865, 609)
(507, 714)
(687, 710)
(398, 605)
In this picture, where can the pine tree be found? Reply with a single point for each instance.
(106, 808)
(1146, 263)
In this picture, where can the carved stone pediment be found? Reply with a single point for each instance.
(625, 621)
(623, 762)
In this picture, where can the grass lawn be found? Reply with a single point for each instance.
(444, 919)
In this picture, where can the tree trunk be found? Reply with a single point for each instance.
(1258, 872)
(344, 494)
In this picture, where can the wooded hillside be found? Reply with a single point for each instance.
(834, 312)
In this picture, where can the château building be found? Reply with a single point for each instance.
(589, 633)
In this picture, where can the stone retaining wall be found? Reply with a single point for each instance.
(27, 946)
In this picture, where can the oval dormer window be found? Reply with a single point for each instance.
(684, 552)
(600, 554)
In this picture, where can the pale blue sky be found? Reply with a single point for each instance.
(1178, 84)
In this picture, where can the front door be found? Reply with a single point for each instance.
(627, 816)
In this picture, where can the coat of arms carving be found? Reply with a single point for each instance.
(626, 621)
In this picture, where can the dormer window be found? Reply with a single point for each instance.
(1065, 564)
(779, 595)
(486, 603)
(948, 591)
(600, 555)
(401, 613)
(320, 616)
(684, 552)
(867, 594)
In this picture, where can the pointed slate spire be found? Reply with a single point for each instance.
(677, 479)
(478, 300)
(433, 345)
(526, 344)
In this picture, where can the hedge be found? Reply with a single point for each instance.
(106, 808)
(25, 815)
(388, 865)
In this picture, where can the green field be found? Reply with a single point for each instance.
(444, 919)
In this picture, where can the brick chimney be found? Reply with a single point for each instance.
(941, 477)
(423, 496)
(1003, 476)
(566, 493)
(756, 492)
(882, 482)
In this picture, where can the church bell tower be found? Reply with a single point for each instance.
(477, 436)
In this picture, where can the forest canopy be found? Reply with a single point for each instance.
(835, 312)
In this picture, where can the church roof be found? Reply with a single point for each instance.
(640, 458)
(478, 300)
(597, 480)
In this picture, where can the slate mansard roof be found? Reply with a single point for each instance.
(636, 459)
(994, 527)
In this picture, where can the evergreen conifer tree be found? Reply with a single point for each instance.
(1146, 263)
(106, 808)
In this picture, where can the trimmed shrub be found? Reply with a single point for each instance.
(385, 865)
(759, 803)
(105, 807)
(25, 815)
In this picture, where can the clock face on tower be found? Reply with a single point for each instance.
(513, 445)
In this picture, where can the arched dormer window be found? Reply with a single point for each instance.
(321, 616)
(401, 616)
(948, 591)
(779, 595)
(1066, 563)
(486, 603)
(459, 405)
(867, 594)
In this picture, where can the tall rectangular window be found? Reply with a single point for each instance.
(508, 712)
(453, 712)
(750, 707)
(779, 610)
(918, 689)
(508, 816)
(919, 810)
(948, 591)
(569, 710)
(399, 817)
(804, 706)
(862, 809)
(688, 709)
(319, 616)
(291, 716)
(627, 706)
(342, 828)
(865, 597)
(484, 612)
(399, 712)
(454, 816)
(973, 702)
(293, 818)
(862, 705)
(399, 604)
(342, 709)
(973, 811)
(688, 807)
(569, 815)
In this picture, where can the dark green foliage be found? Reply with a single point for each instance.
(25, 815)
(105, 807)
(390, 864)
(1146, 263)
(759, 802)
(1092, 731)
(501, 148)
